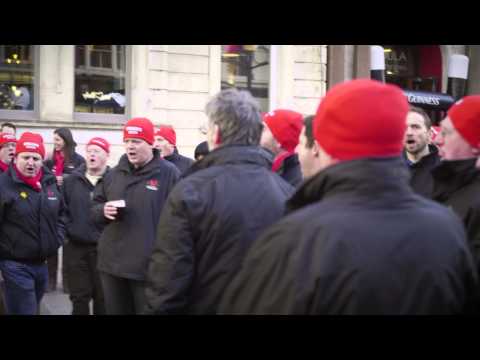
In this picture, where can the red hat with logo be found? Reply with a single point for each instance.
(168, 133)
(465, 117)
(6, 138)
(286, 126)
(30, 142)
(104, 144)
(361, 118)
(139, 128)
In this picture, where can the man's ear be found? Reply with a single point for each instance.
(316, 148)
(217, 139)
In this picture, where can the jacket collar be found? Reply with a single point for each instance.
(48, 177)
(432, 156)
(364, 177)
(451, 175)
(233, 154)
(125, 165)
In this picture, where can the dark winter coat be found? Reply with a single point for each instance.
(457, 185)
(180, 161)
(210, 220)
(421, 179)
(290, 170)
(359, 242)
(126, 243)
(32, 224)
(78, 194)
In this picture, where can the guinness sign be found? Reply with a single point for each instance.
(429, 100)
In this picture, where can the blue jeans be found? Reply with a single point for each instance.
(25, 284)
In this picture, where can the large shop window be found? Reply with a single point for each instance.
(100, 84)
(247, 67)
(17, 81)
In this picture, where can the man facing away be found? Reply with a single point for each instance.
(280, 136)
(359, 240)
(215, 213)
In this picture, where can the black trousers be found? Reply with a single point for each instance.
(83, 279)
(123, 296)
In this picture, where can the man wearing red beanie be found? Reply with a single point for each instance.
(166, 143)
(7, 150)
(280, 136)
(32, 225)
(127, 204)
(457, 178)
(80, 253)
(359, 240)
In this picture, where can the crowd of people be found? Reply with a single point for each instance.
(357, 209)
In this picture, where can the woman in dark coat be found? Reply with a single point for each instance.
(63, 161)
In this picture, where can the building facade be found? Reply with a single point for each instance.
(94, 89)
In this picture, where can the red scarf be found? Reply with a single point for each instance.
(278, 161)
(3, 166)
(59, 159)
(33, 182)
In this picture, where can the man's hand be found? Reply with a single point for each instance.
(59, 180)
(109, 211)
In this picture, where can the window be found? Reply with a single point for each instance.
(17, 81)
(100, 85)
(247, 67)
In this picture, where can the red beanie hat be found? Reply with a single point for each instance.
(465, 117)
(7, 138)
(139, 128)
(30, 142)
(168, 134)
(104, 144)
(286, 126)
(361, 118)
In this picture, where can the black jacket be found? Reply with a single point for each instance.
(210, 220)
(126, 243)
(291, 171)
(180, 161)
(421, 179)
(457, 185)
(32, 224)
(73, 164)
(359, 242)
(78, 193)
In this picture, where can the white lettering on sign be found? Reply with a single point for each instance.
(428, 100)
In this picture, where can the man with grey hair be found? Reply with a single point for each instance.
(214, 214)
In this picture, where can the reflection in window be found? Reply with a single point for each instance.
(16, 77)
(100, 79)
(247, 67)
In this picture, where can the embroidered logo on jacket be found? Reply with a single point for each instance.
(152, 184)
(23, 195)
(51, 195)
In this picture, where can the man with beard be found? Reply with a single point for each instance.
(420, 156)
(457, 178)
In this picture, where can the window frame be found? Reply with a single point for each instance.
(96, 118)
(29, 115)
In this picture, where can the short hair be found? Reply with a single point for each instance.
(8, 124)
(308, 124)
(237, 114)
(423, 113)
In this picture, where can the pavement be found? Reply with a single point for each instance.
(56, 302)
